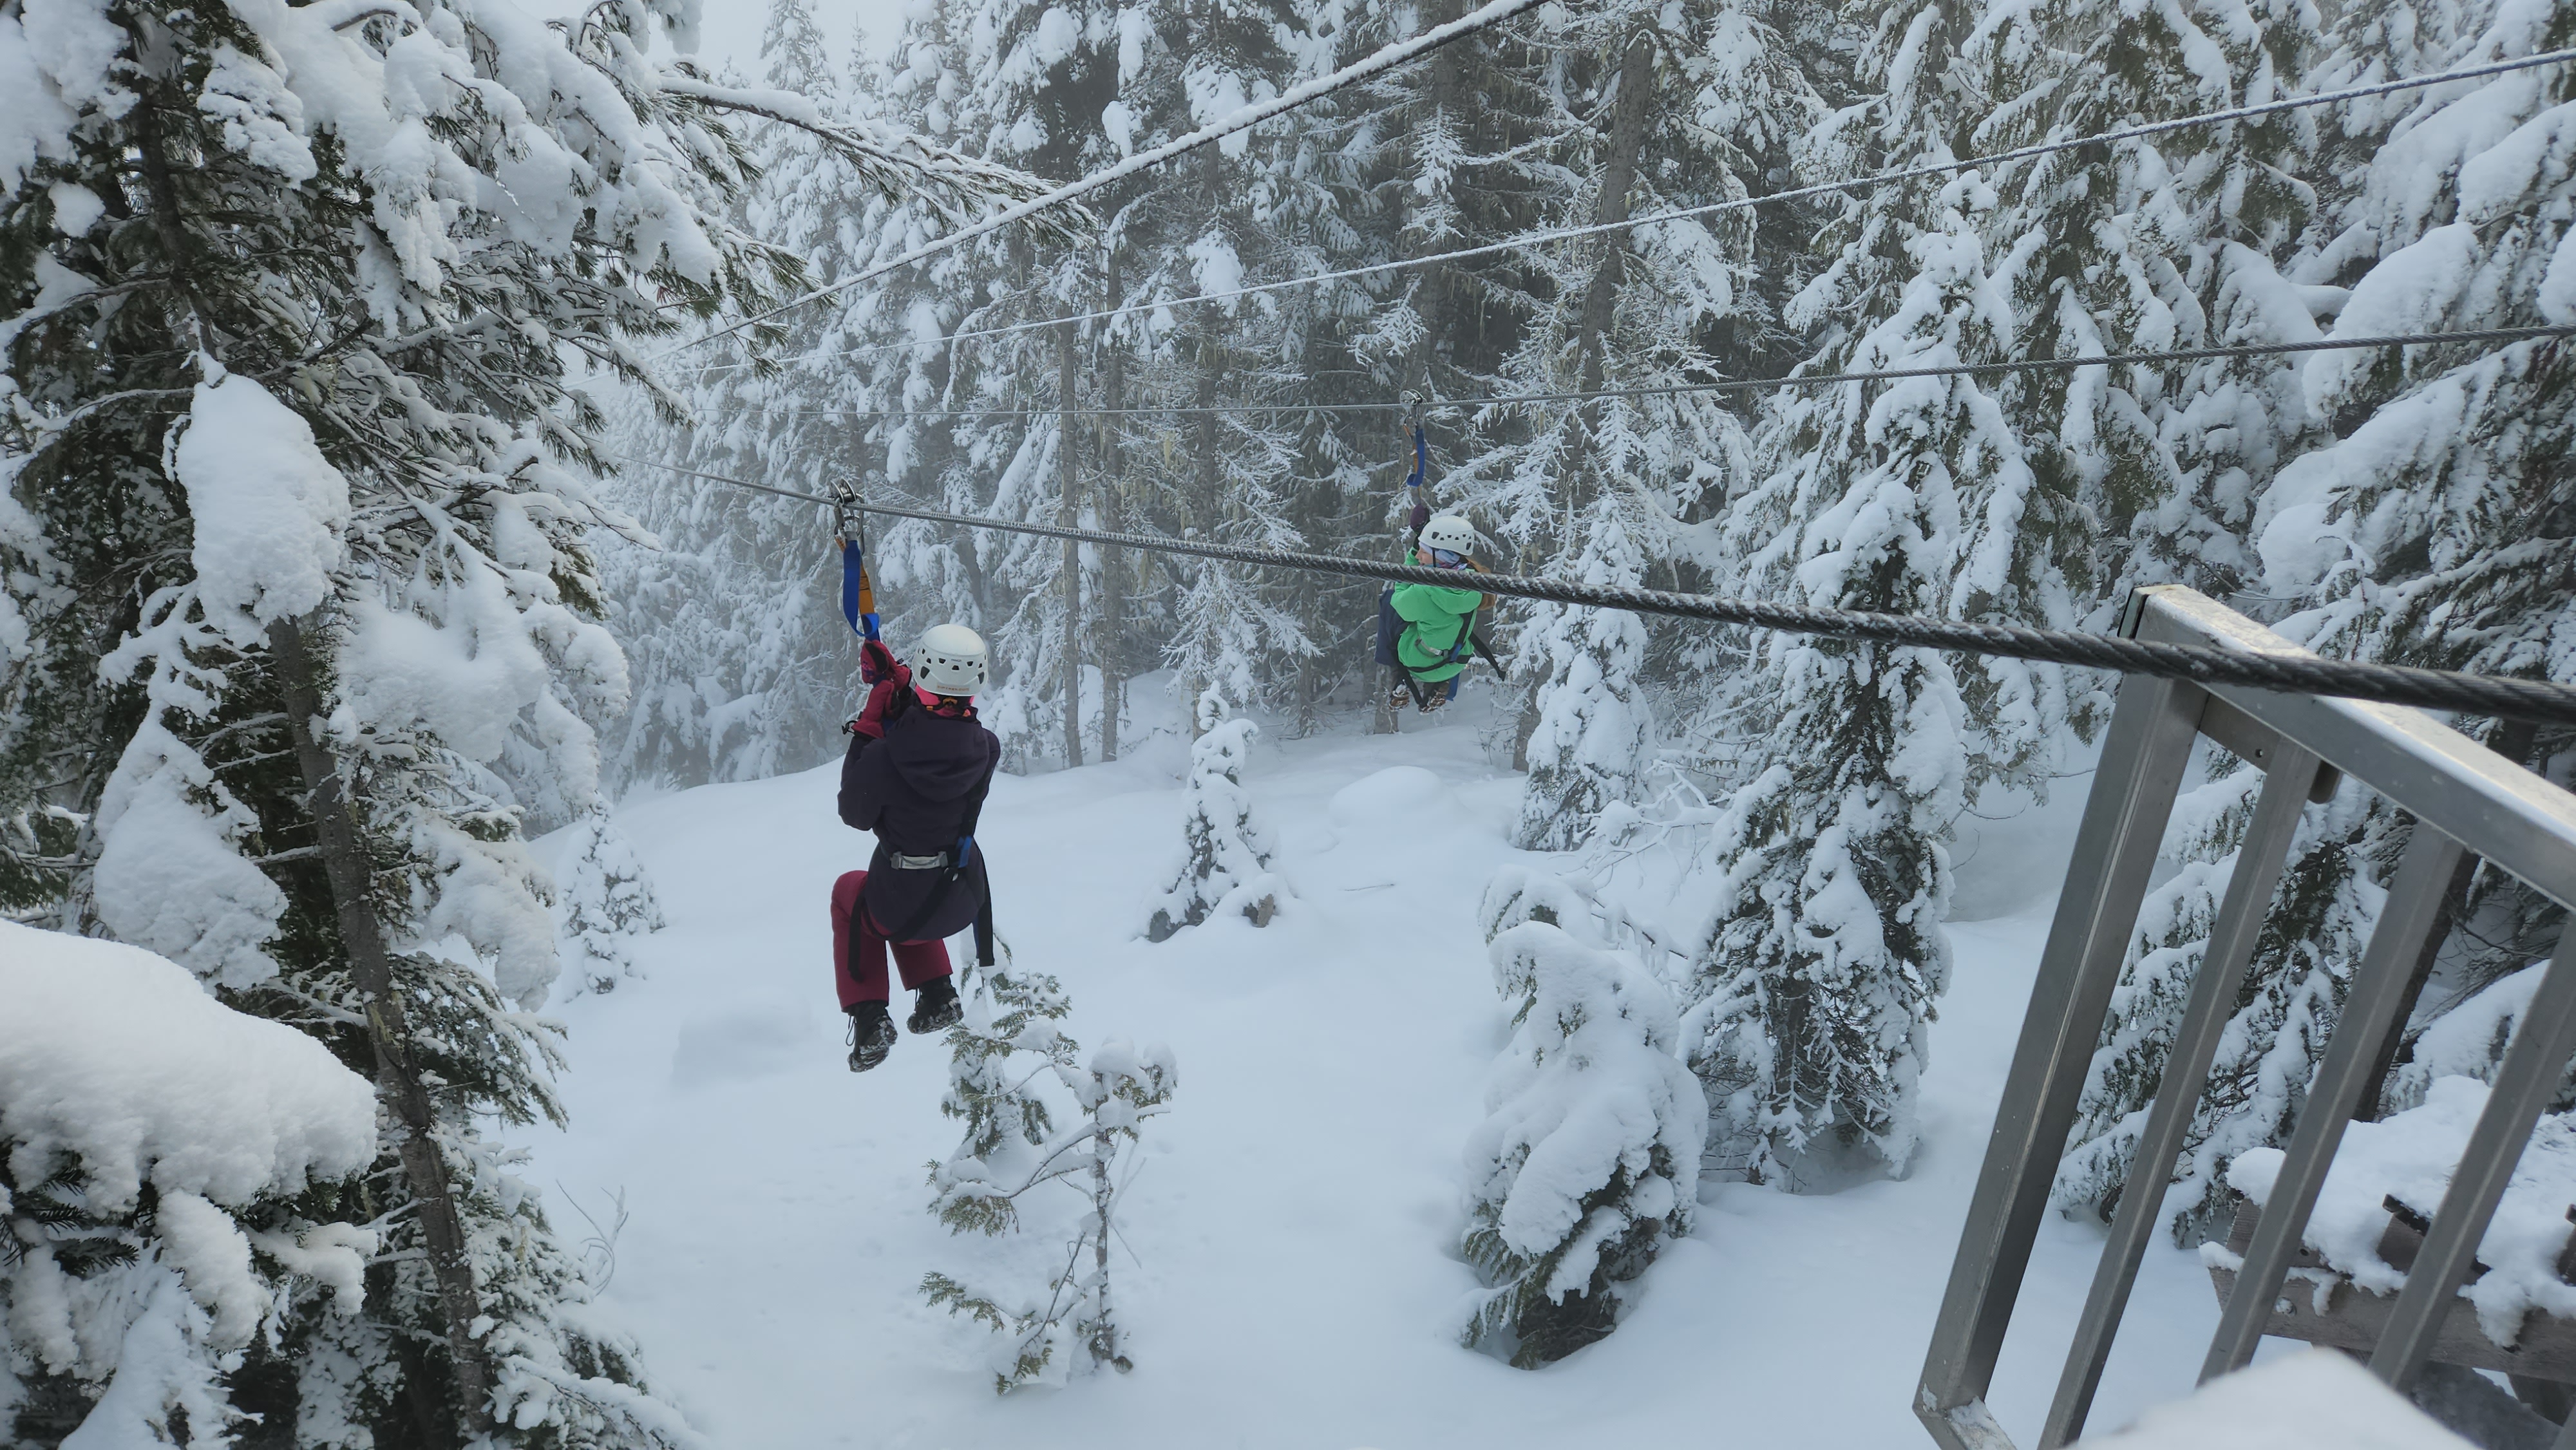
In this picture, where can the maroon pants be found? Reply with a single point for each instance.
(859, 968)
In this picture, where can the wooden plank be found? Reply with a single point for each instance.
(2354, 1319)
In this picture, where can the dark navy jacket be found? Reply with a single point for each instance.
(915, 789)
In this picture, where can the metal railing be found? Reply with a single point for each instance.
(2463, 798)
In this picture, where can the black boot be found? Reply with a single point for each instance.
(871, 1035)
(934, 1007)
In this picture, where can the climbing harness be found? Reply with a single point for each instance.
(953, 864)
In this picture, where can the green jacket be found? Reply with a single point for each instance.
(1435, 621)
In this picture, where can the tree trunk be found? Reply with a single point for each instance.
(1104, 1341)
(1068, 514)
(1111, 634)
(398, 1082)
(1618, 175)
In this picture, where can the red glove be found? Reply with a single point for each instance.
(876, 662)
(885, 699)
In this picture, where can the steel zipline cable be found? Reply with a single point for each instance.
(1377, 63)
(1741, 203)
(1739, 385)
(2493, 695)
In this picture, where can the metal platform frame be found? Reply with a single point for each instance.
(2462, 797)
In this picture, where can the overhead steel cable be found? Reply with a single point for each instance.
(1739, 385)
(1741, 203)
(1385, 59)
(2494, 695)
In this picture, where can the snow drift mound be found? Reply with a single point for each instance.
(1396, 794)
(118, 1057)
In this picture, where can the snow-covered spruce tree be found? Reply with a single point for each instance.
(1518, 894)
(2412, 529)
(1595, 492)
(289, 441)
(1225, 853)
(1074, 1326)
(2167, 241)
(176, 1180)
(1816, 972)
(1437, 157)
(1029, 83)
(1004, 1056)
(1424, 159)
(1234, 477)
(1588, 1158)
(607, 901)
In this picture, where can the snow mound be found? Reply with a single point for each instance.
(2412, 1156)
(116, 1056)
(1393, 795)
(2315, 1398)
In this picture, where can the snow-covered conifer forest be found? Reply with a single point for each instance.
(418, 756)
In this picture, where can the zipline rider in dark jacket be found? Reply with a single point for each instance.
(918, 768)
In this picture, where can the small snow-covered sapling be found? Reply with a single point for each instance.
(1225, 860)
(1006, 1052)
(1588, 1158)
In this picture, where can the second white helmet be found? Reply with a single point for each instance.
(951, 660)
(1449, 532)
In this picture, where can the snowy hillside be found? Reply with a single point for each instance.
(1297, 1217)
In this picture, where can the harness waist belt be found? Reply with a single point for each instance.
(919, 863)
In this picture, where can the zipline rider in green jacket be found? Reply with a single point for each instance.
(1437, 639)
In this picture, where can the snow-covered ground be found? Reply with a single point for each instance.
(1298, 1214)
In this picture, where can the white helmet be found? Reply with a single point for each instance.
(950, 660)
(1449, 532)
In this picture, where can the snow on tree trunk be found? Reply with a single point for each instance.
(608, 902)
(1225, 861)
(1588, 1159)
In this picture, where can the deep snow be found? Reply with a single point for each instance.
(1298, 1215)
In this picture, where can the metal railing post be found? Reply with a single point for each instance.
(2378, 987)
(2250, 887)
(2144, 754)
